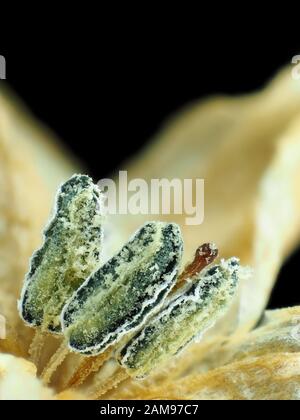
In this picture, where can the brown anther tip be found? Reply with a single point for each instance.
(206, 252)
(204, 256)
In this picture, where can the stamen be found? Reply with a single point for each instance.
(125, 291)
(185, 317)
(69, 254)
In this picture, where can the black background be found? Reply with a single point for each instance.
(106, 97)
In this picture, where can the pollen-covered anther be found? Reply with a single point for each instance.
(70, 253)
(125, 291)
(187, 314)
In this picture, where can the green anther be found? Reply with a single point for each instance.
(184, 317)
(124, 291)
(69, 254)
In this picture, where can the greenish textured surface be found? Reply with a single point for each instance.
(69, 254)
(187, 314)
(125, 290)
